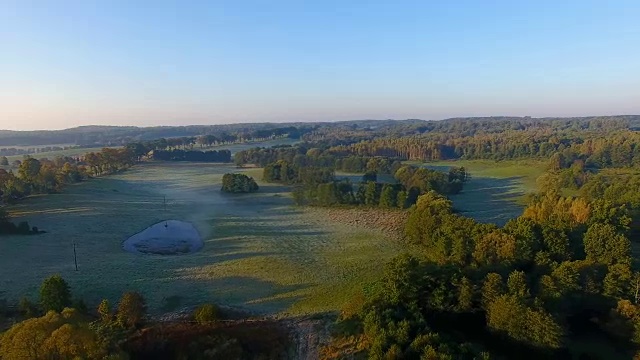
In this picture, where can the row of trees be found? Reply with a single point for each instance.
(45, 176)
(284, 172)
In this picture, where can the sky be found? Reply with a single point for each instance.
(70, 63)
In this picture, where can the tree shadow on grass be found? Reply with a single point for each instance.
(274, 189)
(249, 293)
(490, 200)
(247, 229)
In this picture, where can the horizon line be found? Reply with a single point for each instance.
(315, 122)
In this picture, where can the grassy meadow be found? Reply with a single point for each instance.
(497, 189)
(260, 253)
(52, 154)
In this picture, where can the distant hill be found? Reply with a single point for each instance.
(96, 135)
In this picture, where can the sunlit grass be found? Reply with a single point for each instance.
(497, 190)
(261, 253)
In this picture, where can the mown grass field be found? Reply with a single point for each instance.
(52, 154)
(261, 253)
(497, 189)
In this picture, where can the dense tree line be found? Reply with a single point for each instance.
(318, 186)
(287, 173)
(223, 156)
(304, 156)
(46, 176)
(238, 183)
(595, 146)
(562, 269)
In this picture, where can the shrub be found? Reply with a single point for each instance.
(104, 311)
(27, 308)
(238, 183)
(206, 313)
(132, 309)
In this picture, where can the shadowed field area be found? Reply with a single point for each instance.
(496, 190)
(260, 252)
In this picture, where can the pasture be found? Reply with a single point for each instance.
(260, 252)
(497, 189)
(53, 154)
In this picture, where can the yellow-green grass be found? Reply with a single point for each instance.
(52, 154)
(261, 253)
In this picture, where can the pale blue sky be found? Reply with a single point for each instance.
(69, 63)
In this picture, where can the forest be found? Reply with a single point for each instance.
(561, 280)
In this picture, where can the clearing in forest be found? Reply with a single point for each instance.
(497, 189)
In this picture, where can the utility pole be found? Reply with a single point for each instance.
(166, 223)
(75, 257)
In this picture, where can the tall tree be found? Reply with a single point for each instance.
(132, 309)
(55, 294)
(492, 287)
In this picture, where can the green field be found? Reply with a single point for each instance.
(497, 189)
(81, 151)
(260, 252)
(52, 154)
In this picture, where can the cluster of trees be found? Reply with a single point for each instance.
(59, 328)
(284, 172)
(264, 156)
(223, 156)
(9, 228)
(109, 161)
(342, 192)
(238, 183)
(561, 270)
(39, 176)
(307, 156)
(46, 176)
(318, 186)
